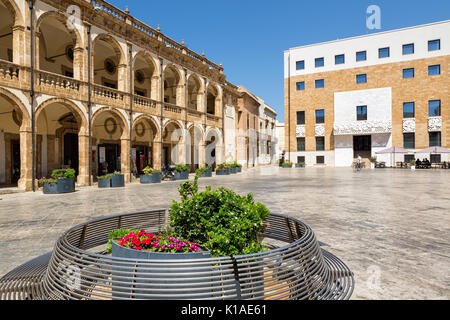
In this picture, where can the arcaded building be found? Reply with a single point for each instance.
(361, 95)
(92, 88)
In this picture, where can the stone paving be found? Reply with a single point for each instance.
(391, 227)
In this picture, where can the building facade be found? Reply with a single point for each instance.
(361, 95)
(92, 88)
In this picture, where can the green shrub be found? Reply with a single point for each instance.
(181, 168)
(201, 171)
(108, 176)
(116, 173)
(148, 171)
(63, 173)
(43, 181)
(220, 220)
(222, 166)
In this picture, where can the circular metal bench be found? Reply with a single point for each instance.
(295, 267)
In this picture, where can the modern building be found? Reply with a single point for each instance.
(92, 88)
(281, 138)
(364, 94)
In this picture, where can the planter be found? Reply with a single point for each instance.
(206, 174)
(184, 175)
(239, 169)
(287, 166)
(137, 282)
(413, 168)
(372, 165)
(64, 185)
(299, 165)
(221, 172)
(234, 170)
(153, 178)
(104, 183)
(117, 181)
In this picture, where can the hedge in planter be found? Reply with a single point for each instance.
(287, 165)
(204, 172)
(150, 176)
(300, 165)
(104, 181)
(222, 170)
(62, 181)
(117, 180)
(181, 172)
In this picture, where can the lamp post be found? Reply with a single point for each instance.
(33, 129)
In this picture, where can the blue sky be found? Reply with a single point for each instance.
(249, 37)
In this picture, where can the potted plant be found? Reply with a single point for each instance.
(233, 168)
(150, 176)
(62, 181)
(238, 167)
(222, 170)
(413, 164)
(300, 165)
(117, 180)
(287, 164)
(104, 181)
(373, 162)
(181, 172)
(205, 172)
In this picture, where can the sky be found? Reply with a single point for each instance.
(249, 37)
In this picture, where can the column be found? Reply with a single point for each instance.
(25, 181)
(83, 159)
(157, 155)
(125, 158)
(201, 155)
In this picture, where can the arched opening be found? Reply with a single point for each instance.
(213, 148)
(193, 147)
(57, 138)
(144, 70)
(212, 97)
(172, 136)
(56, 47)
(107, 57)
(109, 133)
(145, 134)
(171, 85)
(6, 33)
(194, 92)
(10, 161)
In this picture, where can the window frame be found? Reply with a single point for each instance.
(304, 118)
(297, 64)
(304, 144)
(435, 74)
(322, 145)
(360, 116)
(432, 41)
(358, 78)
(413, 112)
(322, 117)
(319, 59)
(412, 142)
(439, 108)
(388, 52)
(405, 46)
(339, 56)
(409, 69)
(302, 88)
(365, 56)
(430, 144)
(319, 81)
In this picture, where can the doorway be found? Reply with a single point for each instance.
(109, 158)
(362, 145)
(15, 145)
(143, 158)
(71, 151)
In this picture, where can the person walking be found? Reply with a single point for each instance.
(358, 163)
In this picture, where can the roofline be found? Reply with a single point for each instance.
(368, 35)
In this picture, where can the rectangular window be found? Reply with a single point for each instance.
(300, 118)
(320, 84)
(301, 86)
(320, 160)
(361, 113)
(361, 56)
(361, 78)
(408, 48)
(383, 53)
(408, 73)
(434, 45)
(109, 85)
(409, 157)
(301, 144)
(339, 59)
(320, 116)
(409, 141)
(320, 62)
(435, 139)
(320, 143)
(301, 159)
(434, 70)
(300, 65)
(434, 107)
(435, 158)
(139, 93)
(408, 110)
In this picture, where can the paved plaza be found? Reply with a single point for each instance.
(391, 227)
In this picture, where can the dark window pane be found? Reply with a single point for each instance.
(408, 110)
(320, 116)
(434, 108)
(361, 56)
(434, 45)
(361, 78)
(383, 53)
(320, 83)
(320, 160)
(408, 48)
(300, 86)
(301, 159)
(301, 146)
(409, 141)
(435, 139)
(320, 143)
(361, 113)
(409, 157)
(434, 70)
(339, 59)
(320, 62)
(300, 117)
(408, 73)
(435, 158)
(300, 65)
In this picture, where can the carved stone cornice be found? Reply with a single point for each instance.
(362, 127)
(320, 130)
(409, 125)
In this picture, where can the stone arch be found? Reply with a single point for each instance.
(146, 67)
(63, 19)
(152, 121)
(14, 100)
(74, 108)
(15, 11)
(147, 57)
(213, 90)
(114, 44)
(117, 115)
(195, 99)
